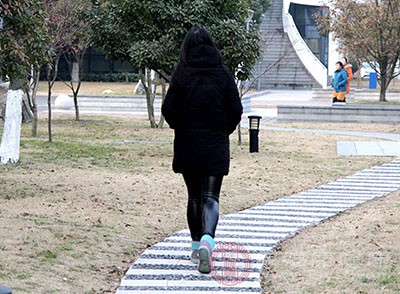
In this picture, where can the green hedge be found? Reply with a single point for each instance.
(98, 77)
(111, 77)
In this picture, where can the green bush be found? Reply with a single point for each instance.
(110, 77)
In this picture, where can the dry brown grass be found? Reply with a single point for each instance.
(75, 213)
(356, 252)
(92, 88)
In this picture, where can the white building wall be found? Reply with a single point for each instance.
(313, 65)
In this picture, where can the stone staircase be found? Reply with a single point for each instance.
(126, 104)
(350, 113)
(283, 69)
(326, 94)
(121, 104)
(356, 94)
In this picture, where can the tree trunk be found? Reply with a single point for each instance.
(50, 85)
(76, 77)
(9, 148)
(163, 94)
(35, 121)
(76, 106)
(27, 115)
(359, 64)
(146, 81)
(382, 92)
(3, 100)
(34, 104)
(239, 129)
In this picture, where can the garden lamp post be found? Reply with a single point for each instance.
(254, 128)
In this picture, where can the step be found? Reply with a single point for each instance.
(339, 113)
(276, 42)
(357, 94)
(128, 104)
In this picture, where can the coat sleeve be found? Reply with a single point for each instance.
(344, 80)
(170, 108)
(233, 106)
(349, 71)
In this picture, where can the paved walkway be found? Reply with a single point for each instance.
(367, 148)
(244, 238)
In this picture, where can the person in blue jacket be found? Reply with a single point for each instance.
(203, 107)
(339, 82)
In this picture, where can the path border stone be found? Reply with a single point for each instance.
(344, 114)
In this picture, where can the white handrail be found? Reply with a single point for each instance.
(309, 60)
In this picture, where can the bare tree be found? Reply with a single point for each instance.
(370, 29)
(74, 58)
(31, 91)
(80, 38)
(150, 82)
(61, 32)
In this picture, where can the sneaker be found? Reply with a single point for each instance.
(195, 256)
(205, 253)
(204, 260)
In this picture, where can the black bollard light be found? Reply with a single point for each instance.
(254, 128)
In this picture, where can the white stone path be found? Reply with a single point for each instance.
(244, 238)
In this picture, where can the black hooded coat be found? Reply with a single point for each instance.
(203, 106)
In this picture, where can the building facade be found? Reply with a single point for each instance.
(295, 55)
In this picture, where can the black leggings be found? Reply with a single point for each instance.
(203, 204)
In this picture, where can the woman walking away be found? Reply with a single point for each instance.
(348, 68)
(339, 84)
(203, 107)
